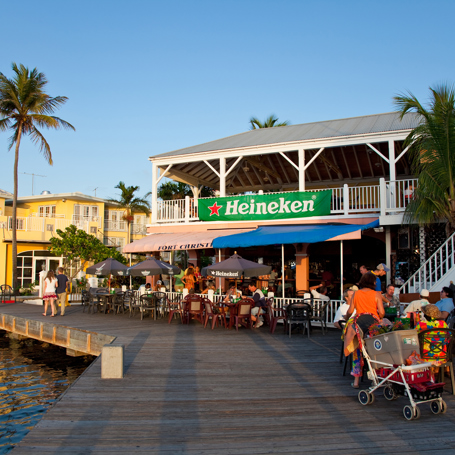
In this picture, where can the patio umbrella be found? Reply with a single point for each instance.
(235, 267)
(152, 266)
(108, 267)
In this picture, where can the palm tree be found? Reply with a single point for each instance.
(131, 204)
(269, 122)
(432, 154)
(24, 106)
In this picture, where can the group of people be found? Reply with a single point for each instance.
(55, 290)
(366, 302)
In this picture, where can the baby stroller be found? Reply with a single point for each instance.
(385, 355)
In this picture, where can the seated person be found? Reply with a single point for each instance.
(418, 304)
(445, 305)
(389, 298)
(158, 286)
(233, 292)
(210, 286)
(259, 304)
(433, 321)
(321, 294)
(344, 307)
(143, 288)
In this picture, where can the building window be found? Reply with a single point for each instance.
(93, 230)
(47, 211)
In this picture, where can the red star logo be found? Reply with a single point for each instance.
(214, 209)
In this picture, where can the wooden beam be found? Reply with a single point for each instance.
(259, 165)
(346, 162)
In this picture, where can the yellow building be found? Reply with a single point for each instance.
(38, 217)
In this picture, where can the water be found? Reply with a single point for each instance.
(33, 375)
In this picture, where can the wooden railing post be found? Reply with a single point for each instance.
(382, 196)
(345, 199)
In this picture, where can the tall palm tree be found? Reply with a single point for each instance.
(24, 106)
(131, 204)
(432, 155)
(269, 122)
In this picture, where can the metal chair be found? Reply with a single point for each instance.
(147, 304)
(210, 314)
(133, 302)
(85, 300)
(299, 314)
(118, 302)
(162, 302)
(320, 313)
(242, 313)
(274, 315)
(7, 294)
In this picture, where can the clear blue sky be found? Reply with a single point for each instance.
(147, 77)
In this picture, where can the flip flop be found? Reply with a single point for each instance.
(52, 315)
(355, 386)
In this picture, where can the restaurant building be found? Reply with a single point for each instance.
(320, 192)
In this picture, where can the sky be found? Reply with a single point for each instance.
(148, 77)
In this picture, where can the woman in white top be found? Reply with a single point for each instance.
(50, 284)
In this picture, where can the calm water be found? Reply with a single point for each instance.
(32, 377)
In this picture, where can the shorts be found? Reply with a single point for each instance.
(49, 296)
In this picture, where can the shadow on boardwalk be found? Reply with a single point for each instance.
(193, 390)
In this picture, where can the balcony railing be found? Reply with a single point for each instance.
(387, 198)
(116, 226)
(81, 220)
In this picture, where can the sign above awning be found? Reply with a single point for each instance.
(179, 241)
(280, 206)
(277, 235)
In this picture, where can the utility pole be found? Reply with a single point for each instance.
(33, 178)
(95, 190)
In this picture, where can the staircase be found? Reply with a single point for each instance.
(437, 271)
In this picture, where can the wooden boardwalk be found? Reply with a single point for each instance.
(190, 390)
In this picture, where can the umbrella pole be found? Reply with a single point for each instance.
(219, 260)
(282, 270)
(131, 278)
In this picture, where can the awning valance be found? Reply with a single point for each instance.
(178, 241)
(275, 235)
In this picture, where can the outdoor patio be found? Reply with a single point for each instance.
(193, 390)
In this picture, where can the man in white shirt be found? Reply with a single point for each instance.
(416, 305)
(321, 294)
(344, 307)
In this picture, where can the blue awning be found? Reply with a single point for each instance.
(277, 235)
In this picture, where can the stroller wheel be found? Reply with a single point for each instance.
(408, 412)
(444, 407)
(389, 393)
(364, 397)
(435, 407)
(371, 398)
(416, 413)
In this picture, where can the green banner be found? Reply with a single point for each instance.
(266, 206)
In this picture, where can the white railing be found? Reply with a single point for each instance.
(434, 269)
(279, 302)
(116, 226)
(81, 220)
(48, 215)
(387, 198)
(138, 229)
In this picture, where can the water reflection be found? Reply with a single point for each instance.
(32, 376)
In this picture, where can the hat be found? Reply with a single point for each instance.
(431, 311)
(425, 293)
(383, 267)
(353, 288)
(159, 282)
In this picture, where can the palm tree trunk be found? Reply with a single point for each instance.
(14, 242)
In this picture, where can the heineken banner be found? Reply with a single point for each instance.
(266, 206)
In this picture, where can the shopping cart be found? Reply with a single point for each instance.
(385, 355)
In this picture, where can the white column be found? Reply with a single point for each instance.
(392, 164)
(154, 193)
(388, 253)
(301, 170)
(222, 177)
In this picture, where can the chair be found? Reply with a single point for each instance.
(274, 315)
(299, 313)
(133, 302)
(175, 308)
(118, 302)
(161, 302)
(437, 344)
(242, 313)
(147, 304)
(85, 300)
(7, 294)
(194, 309)
(209, 314)
(320, 313)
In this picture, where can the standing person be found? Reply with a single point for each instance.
(61, 291)
(188, 279)
(49, 297)
(259, 303)
(381, 270)
(367, 303)
(178, 284)
(389, 297)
